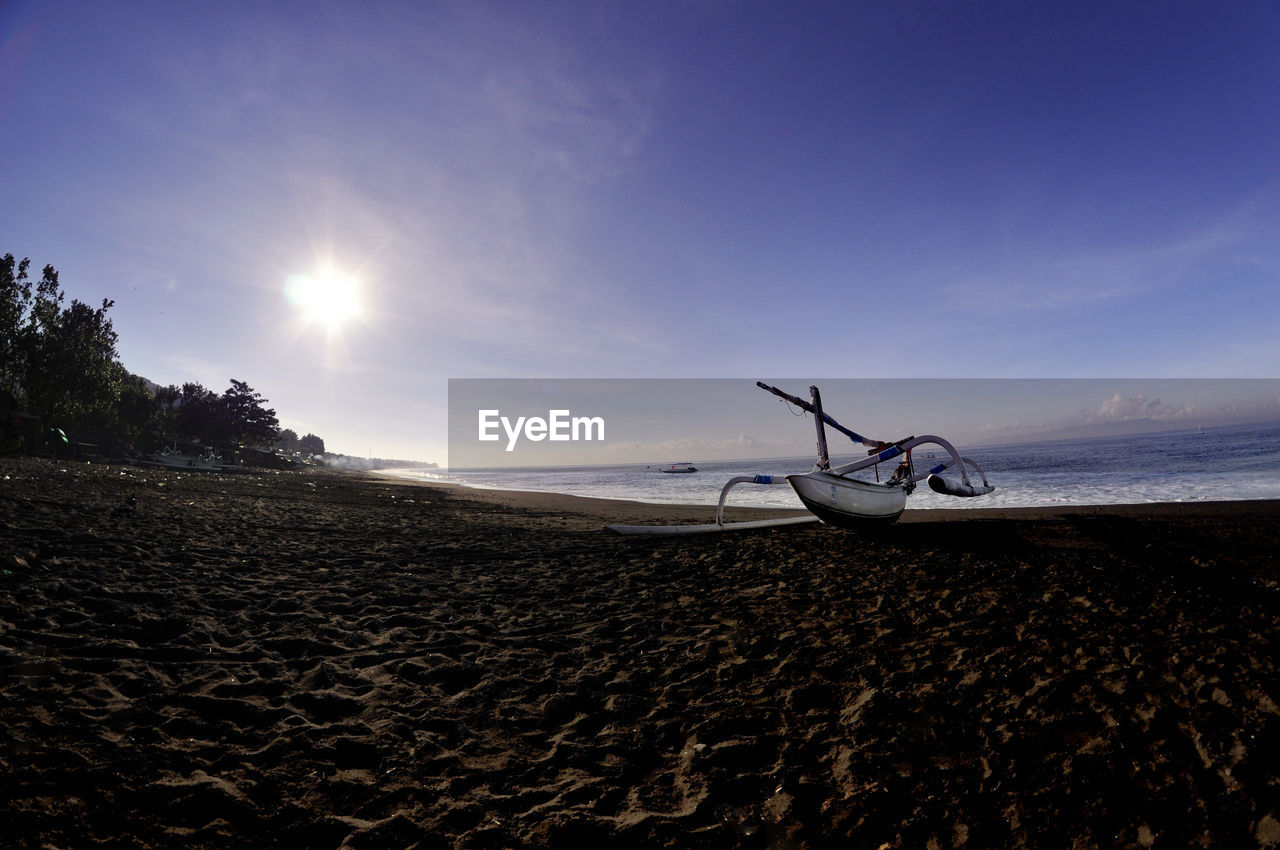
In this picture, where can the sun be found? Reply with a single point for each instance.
(329, 297)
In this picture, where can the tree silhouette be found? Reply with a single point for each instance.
(197, 414)
(288, 439)
(59, 363)
(311, 444)
(249, 422)
(15, 298)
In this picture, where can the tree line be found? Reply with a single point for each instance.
(60, 363)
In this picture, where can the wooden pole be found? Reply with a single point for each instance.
(824, 462)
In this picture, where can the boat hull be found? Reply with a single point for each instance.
(847, 501)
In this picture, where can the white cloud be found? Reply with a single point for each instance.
(213, 375)
(1122, 408)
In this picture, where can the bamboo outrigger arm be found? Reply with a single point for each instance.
(808, 408)
(936, 482)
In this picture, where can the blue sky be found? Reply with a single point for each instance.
(670, 189)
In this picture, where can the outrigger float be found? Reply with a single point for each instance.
(830, 493)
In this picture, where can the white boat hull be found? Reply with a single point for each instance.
(847, 501)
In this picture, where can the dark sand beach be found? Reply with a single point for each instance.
(316, 660)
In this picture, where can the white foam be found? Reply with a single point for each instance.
(1241, 464)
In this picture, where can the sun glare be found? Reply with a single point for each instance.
(328, 298)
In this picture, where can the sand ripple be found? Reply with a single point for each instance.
(316, 660)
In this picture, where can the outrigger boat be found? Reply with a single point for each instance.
(210, 461)
(831, 494)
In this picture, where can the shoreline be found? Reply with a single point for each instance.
(758, 512)
(605, 508)
(334, 660)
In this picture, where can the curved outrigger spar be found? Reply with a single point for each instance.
(834, 497)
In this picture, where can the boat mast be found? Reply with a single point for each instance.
(824, 462)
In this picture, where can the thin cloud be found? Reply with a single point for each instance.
(1092, 277)
(212, 374)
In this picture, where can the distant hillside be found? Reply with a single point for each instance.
(1123, 428)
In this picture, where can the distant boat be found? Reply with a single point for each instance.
(683, 466)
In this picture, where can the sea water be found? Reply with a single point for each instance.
(1228, 463)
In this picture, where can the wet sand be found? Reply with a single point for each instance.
(320, 660)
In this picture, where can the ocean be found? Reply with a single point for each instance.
(1216, 464)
